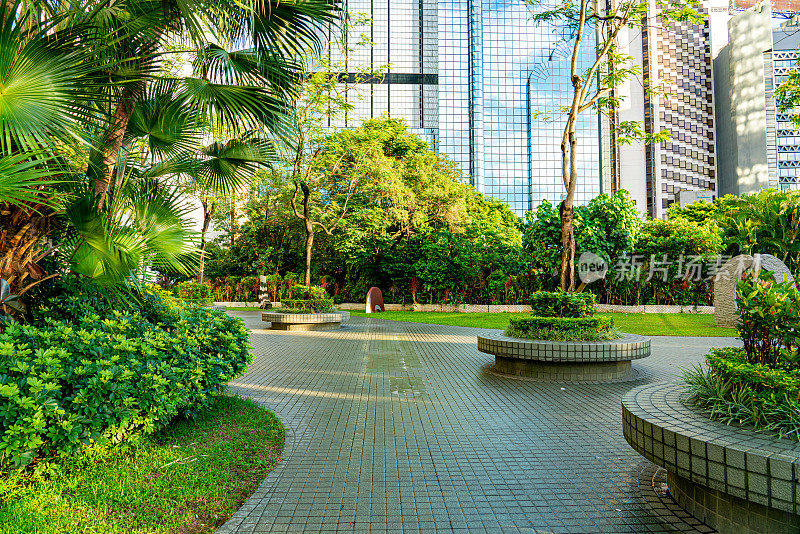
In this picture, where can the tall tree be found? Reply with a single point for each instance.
(593, 87)
(324, 100)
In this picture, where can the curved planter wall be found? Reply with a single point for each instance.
(305, 321)
(565, 360)
(735, 480)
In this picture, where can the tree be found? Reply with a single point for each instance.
(322, 99)
(606, 225)
(218, 170)
(75, 77)
(594, 87)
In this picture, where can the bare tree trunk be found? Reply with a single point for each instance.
(207, 215)
(309, 247)
(567, 247)
(309, 230)
(567, 214)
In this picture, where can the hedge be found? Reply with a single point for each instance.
(562, 323)
(762, 380)
(563, 328)
(307, 305)
(563, 304)
(75, 381)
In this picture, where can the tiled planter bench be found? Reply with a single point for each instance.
(305, 321)
(733, 479)
(564, 360)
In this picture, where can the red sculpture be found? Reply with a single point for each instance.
(375, 300)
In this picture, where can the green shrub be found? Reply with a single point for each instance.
(563, 304)
(306, 305)
(759, 384)
(248, 288)
(563, 328)
(761, 379)
(193, 292)
(732, 390)
(304, 299)
(300, 291)
(98, 367)
(769, 318)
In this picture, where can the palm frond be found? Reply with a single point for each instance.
(287, 28)
(235, 107)
(22, 178)
(154, 231)
(38, 89)
(224, 166)
(247, 67)
(166, 126)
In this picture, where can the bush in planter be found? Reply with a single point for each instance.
(769, 318)
(563, 304)
(304, 299)
(759, 384)
(563, 316)
(563, 328)
(99, 367)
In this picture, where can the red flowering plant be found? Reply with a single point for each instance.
(769, 319)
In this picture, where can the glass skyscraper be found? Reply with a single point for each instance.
(483, 84)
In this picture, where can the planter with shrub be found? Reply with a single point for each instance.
(730, 441)
(307, 308)
(564, 340)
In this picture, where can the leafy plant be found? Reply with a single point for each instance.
(563, 328)
(299, 291)
(563, 304)
(8, 301)
(306, 305)
(73, 381)
(769, 318)
(193, 292)
(734, 391)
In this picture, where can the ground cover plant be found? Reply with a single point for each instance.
(646, 324)
(187, 478)
(759, 384)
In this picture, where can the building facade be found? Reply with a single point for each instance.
(483, 85)
(759, 145)
(674, 93)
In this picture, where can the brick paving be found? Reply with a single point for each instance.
(398, 427)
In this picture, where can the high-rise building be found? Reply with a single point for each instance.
(673, 93)
(759, 145)
(483, 84)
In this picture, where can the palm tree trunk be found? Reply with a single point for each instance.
(113, 142)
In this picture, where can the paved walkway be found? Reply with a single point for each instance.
(397, 427)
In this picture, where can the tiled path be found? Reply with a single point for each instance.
(396, 427)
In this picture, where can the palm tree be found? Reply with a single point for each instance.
(94, 130)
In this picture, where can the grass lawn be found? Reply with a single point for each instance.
(647, 324)
(188, 478)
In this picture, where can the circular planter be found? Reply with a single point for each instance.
(565, 360)
(733, 479)
(305, 321)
